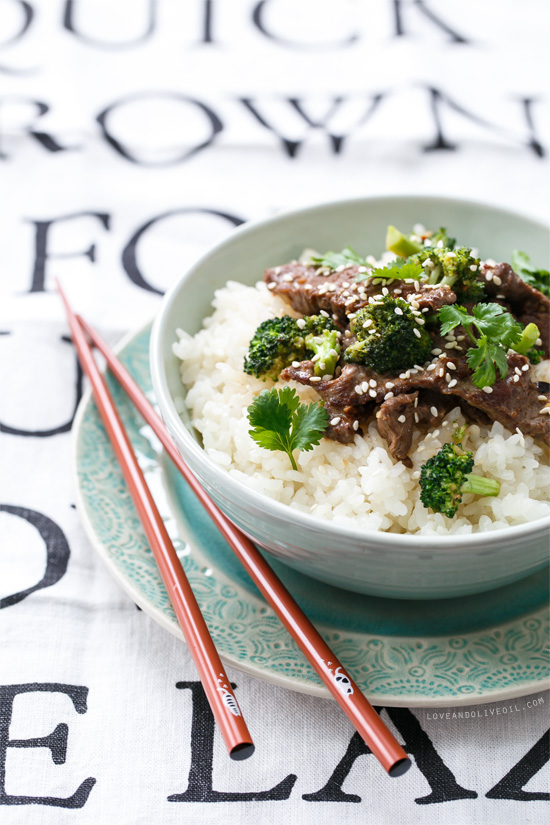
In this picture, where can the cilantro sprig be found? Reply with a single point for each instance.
(497, 331)
(400, 269)
(333, 260)
(537, 278)
(281, 422)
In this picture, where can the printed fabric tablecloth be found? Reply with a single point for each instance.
(133, 135)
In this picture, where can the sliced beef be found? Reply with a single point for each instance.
(395, 422)
(345, 418)
(528, 305)
(514, 401)
(309, 291)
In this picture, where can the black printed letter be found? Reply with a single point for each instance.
(199, 785)
(56, 742)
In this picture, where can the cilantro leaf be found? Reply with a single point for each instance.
(280, 422)
(333, 260)
(498, 331)
(493, 321)
(396, 270)
(452, 316)
(537, 278)
(485, 359)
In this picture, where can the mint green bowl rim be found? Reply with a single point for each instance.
(275, 509)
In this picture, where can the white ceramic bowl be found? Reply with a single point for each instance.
(383, 564)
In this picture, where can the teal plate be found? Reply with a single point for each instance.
(401, 653)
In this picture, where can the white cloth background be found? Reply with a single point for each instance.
(104, 105)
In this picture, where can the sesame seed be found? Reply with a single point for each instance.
(372, 393)
(390, 395)
(538, 342)
(450, 255)
(327, 377)
(435, 433)
(439, 244)
(358, 389)
(403, 375)
(322, 365)
(487, 389)
(453, 383)
(450, 345)
(428, 262)
(365, 386)
(402, 419)
(398, 311)
(416, 418)
(324, 313)
(345, 284)
(542, 398)
(272, 285)
(385, 290)
(434, 411)
(372, 382)
(441, 372)
(347, 333)
(473, 268)
(436, 351)
(315, 378)
(525, 368)
(397, 291)
(544, 411)
(451, 365)
(295, 363)
(431, 367)
(497, 280)
(460, 337)
(515, 379)
(300, 323)
(316, 357)
(355, 425)
(288, 278)
(367, 323)
(389, 385)
(333, 353)
(420, 321)
(417, 332)
(416, 402)
(448, 378)
(335, 421)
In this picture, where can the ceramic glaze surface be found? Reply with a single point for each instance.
(439, 653)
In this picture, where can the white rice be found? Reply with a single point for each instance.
(357, 484)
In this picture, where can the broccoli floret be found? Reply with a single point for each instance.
(279, 341)
(526, 344)
(326, 351)
(537, 278)
(406, 245)
(400, 244)
(447, 476)
(276, 343)
(456, 268)
(440, 239)
(389, 339)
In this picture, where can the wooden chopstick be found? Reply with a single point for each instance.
(212, 673)
(353, 702)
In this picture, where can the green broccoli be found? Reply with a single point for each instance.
(537, 278)
(326, 351)
(401, 244)
(279, 341)
(447, 476)
(389, 337)
(440, 239)
(526, 344)
(456, 268)
(406, 245)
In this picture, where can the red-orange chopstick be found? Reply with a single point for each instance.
(353, 702)
(211, 671)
